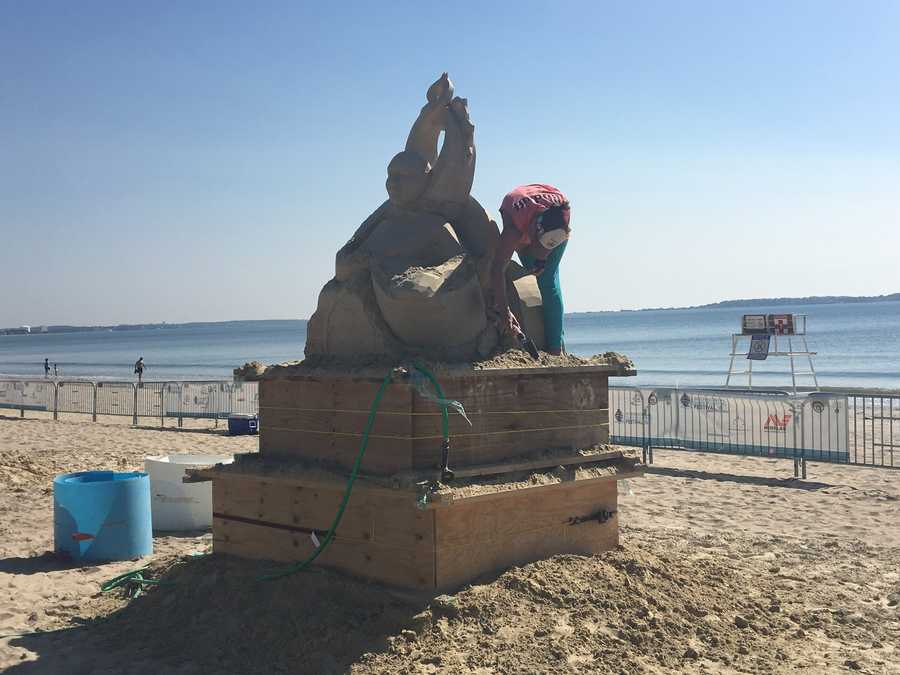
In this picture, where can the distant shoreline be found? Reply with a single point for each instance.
(749, 302)
(764, 302)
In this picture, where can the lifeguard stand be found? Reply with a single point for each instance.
(763, 333)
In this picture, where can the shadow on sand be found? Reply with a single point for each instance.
(46, 562)
(792, 483)
(213, 614)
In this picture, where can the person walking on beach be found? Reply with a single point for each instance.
(536, 226)
(46, 367)
(139, 370)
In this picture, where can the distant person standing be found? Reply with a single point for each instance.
(46, 367)
(55, 370)
(139, 370)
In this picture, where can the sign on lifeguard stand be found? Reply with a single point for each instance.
(763, 331)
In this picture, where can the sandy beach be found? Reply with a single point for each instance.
(727, 564)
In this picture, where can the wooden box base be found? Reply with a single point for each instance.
(513, 412)
(389, 536)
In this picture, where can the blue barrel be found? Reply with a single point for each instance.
(102, 515)
(243, 424)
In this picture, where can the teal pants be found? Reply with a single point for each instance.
(551, 296)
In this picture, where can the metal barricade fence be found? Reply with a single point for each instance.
(115, 398)
(830, 427)
(209, 400)
(244, 398)
(149, 399)
(874, 429)
(75, 396)
(28, 394)
(194, 399)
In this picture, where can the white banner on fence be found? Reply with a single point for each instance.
(774, 425)
(27, 395)
(627, 416)
(11, 394)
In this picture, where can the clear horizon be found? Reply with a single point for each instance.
(199, 162)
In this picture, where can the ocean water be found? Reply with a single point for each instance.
(858, 345)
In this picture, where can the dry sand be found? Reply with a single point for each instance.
(727, 565)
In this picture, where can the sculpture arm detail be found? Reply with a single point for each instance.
(453, 171)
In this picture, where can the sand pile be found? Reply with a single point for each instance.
(658, 604)
(249, 372)
(516, 358)
(709, 542)
(374, 366)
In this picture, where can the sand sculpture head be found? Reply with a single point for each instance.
(408, 175)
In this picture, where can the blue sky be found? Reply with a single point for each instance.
(204, 161)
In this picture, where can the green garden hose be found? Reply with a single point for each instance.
(445, 421)
(300, 566)
(446, 472)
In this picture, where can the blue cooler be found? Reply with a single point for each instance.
(241, 425)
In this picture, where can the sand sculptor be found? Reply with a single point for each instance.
(414, 277)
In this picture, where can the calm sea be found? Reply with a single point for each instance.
(858, 345)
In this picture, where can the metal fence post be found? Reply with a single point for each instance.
(180, 406)
(55, 400)
(94, 405)
(134, 418)
(162, 405)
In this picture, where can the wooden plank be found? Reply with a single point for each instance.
(382, 517)
(515, 416)
(325, 420)
(408, 568)
(444, 500)
(294, 374)
(518, 511)
(521, 527)
(385, 537)
(318, 479)
(461, 564)
(382, 456)
(512, 467)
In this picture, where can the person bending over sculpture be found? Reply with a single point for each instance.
(536, 226)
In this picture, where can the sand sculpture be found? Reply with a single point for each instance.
(414, 277)
(414, 281)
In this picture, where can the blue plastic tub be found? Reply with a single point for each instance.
(102, 515)
(239, 425)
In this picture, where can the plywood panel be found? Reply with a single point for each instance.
(385, 537)
(368, 517)
(488, 535)
(459, 565)
(409, 568)
(325, 420)
(511, 415)
(506, 514)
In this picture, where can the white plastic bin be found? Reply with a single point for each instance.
(177, 506)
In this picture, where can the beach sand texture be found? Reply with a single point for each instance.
(727, 565)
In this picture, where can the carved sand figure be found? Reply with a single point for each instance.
(415, 276)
